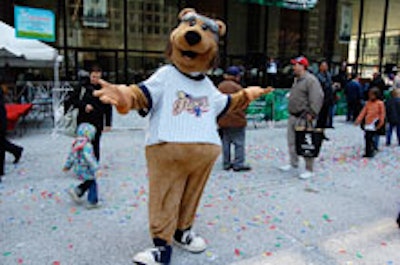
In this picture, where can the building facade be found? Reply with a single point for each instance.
(371, 34)
(136, 33)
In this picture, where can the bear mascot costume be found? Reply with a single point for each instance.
(182, 143)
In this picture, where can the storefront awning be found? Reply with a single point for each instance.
(290, 4)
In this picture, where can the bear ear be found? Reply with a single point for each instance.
(185, 11)
(221, 27)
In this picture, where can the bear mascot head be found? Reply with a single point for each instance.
(193, 44)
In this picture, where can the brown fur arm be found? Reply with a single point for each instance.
(124, 98)
(138, 99)
(241, 100)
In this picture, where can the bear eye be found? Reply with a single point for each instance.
(204, 27)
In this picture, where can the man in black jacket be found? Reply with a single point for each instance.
(92, 110)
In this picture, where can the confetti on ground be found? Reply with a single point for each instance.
(264, 208)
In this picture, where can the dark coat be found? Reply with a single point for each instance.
(235, 119)
(353, 91)
(325, 79)
(102, 113)
(393, 111)
(3, 114)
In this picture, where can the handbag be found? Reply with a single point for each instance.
(308, 140)
(381, 131)
(70, 118)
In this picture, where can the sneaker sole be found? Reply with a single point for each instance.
(184, 247)
(92, 207)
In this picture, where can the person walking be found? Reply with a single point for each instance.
(233, 125)
(85, 166)
(305, 101)
(325, 79)
(393, 116)
(5, 145)
(354, 95)
(92, 110)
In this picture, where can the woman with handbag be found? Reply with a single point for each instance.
(373, 116)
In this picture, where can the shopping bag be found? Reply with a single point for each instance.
(69, 122)
(308, 140)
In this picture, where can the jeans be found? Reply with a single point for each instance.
(90, 186)
(390, 131)
(235, 136)
(375, 140)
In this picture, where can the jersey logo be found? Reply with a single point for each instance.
(192, 105)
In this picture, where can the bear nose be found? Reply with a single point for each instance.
(192, 37)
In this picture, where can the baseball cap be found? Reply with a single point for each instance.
(300, 60)
(233, 70)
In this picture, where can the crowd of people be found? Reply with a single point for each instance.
(311, 102)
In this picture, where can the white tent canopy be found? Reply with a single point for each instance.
(18, 52)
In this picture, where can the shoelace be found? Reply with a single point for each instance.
(157, 253)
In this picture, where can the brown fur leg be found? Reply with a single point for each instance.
(207, 155)
(167, 178)
(176, 170)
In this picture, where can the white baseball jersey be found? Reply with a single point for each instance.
(182, 108)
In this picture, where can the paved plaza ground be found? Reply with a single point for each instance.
(345, 215)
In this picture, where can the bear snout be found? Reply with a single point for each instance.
(192, 37)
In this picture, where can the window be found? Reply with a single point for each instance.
(132, 28)
(116, 3)
(157, 18)
(149, 7)
(117, 26)
(149, 30)
(157, 30)
(149, 18)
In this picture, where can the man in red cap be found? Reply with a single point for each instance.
(305, 102)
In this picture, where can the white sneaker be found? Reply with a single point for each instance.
(153, 256)
(191, 242)
(306, 175)
(91, 206)
(74, 196)
(287, 168)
